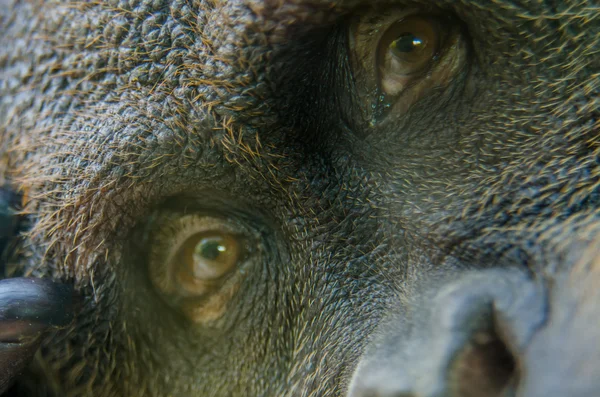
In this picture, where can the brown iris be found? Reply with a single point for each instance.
(198, 262)
(205, 258)
(401, 56)
(410, 45)
(407, 51)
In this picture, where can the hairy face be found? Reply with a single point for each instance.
(308, 197)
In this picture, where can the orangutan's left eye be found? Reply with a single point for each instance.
(407, 50)
(402, 56)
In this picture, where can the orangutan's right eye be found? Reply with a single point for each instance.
(197, 262)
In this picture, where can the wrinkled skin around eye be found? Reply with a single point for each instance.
(196, 262)
(405, 59)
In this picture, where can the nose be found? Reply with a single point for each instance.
(494, 333)
(563, 359)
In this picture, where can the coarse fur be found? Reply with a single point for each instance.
(112, 110)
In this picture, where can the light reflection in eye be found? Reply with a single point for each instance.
(197, 262)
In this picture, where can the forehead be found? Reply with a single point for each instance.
(183, 68)
(231, 36)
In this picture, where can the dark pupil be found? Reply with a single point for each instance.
(407, 42)
(211, 250)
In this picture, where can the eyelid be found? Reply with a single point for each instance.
(373, 25)
(169, 232)
(189, 225)
(383, 93)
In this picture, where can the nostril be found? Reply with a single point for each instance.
(484, 368)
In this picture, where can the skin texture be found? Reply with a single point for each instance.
(370, 235)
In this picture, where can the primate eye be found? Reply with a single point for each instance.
(197, 262)
(205, 257)
(399, 57)
(409, 47)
